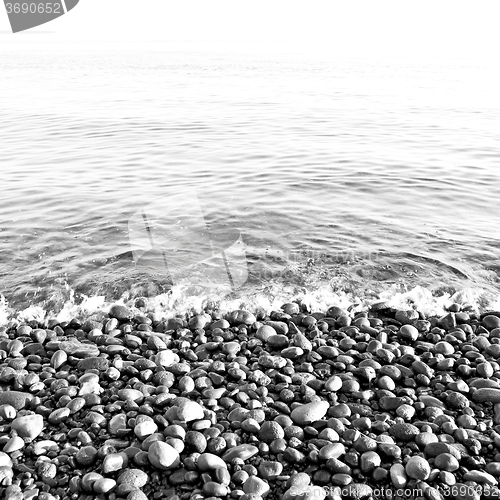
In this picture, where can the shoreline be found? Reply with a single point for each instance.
(184, 301)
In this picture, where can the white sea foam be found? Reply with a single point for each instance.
(180, 301)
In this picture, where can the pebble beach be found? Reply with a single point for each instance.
(294, 404)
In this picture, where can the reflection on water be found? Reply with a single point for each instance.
(361, 176)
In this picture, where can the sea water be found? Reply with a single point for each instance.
(347, 180)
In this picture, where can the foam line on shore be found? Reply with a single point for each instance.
(180, 301)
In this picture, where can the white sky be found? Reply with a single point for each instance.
(349, 27)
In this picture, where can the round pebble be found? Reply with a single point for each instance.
(418, 468)
(163, 456)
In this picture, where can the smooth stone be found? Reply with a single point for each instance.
(431, 401)
(435, 449)
(231, 348)
(44, 446)
(90, 387)
(481, 383)
(59, 415)
(446, 462)
(270, 469)
(15, 443)
(491, 322)
(461, 386)
(334, 450)
(404, 431)
(398, 476)
(58, 359)
(241, 317)
(418, 468)
(114, 462)
(369, 461)
(211, 489)
(484, 395)
(166, 358)
(104, 485)
(5, 460)
(408, 332)
(341, 479)
(117, 423)
(163, 456)
(223, 324)
(333, 384)
(424, 438)
(480, 477)
(187, 411)
(444, 348)
(242, 451)
(214, 393)
(131, 395)
(144, 429)
(292, 352)
(291, 308)
(29, 426)
(257, 486)
(175, 431)
(86, 456)
(209, 461)
(493, 468)
(310, 412)
(265, 332)
(391, 450)
(120, 312)
(238, 415)
(16, 399)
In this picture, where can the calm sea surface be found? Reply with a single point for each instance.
(362, 176)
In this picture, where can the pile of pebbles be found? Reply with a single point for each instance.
(290, 405)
